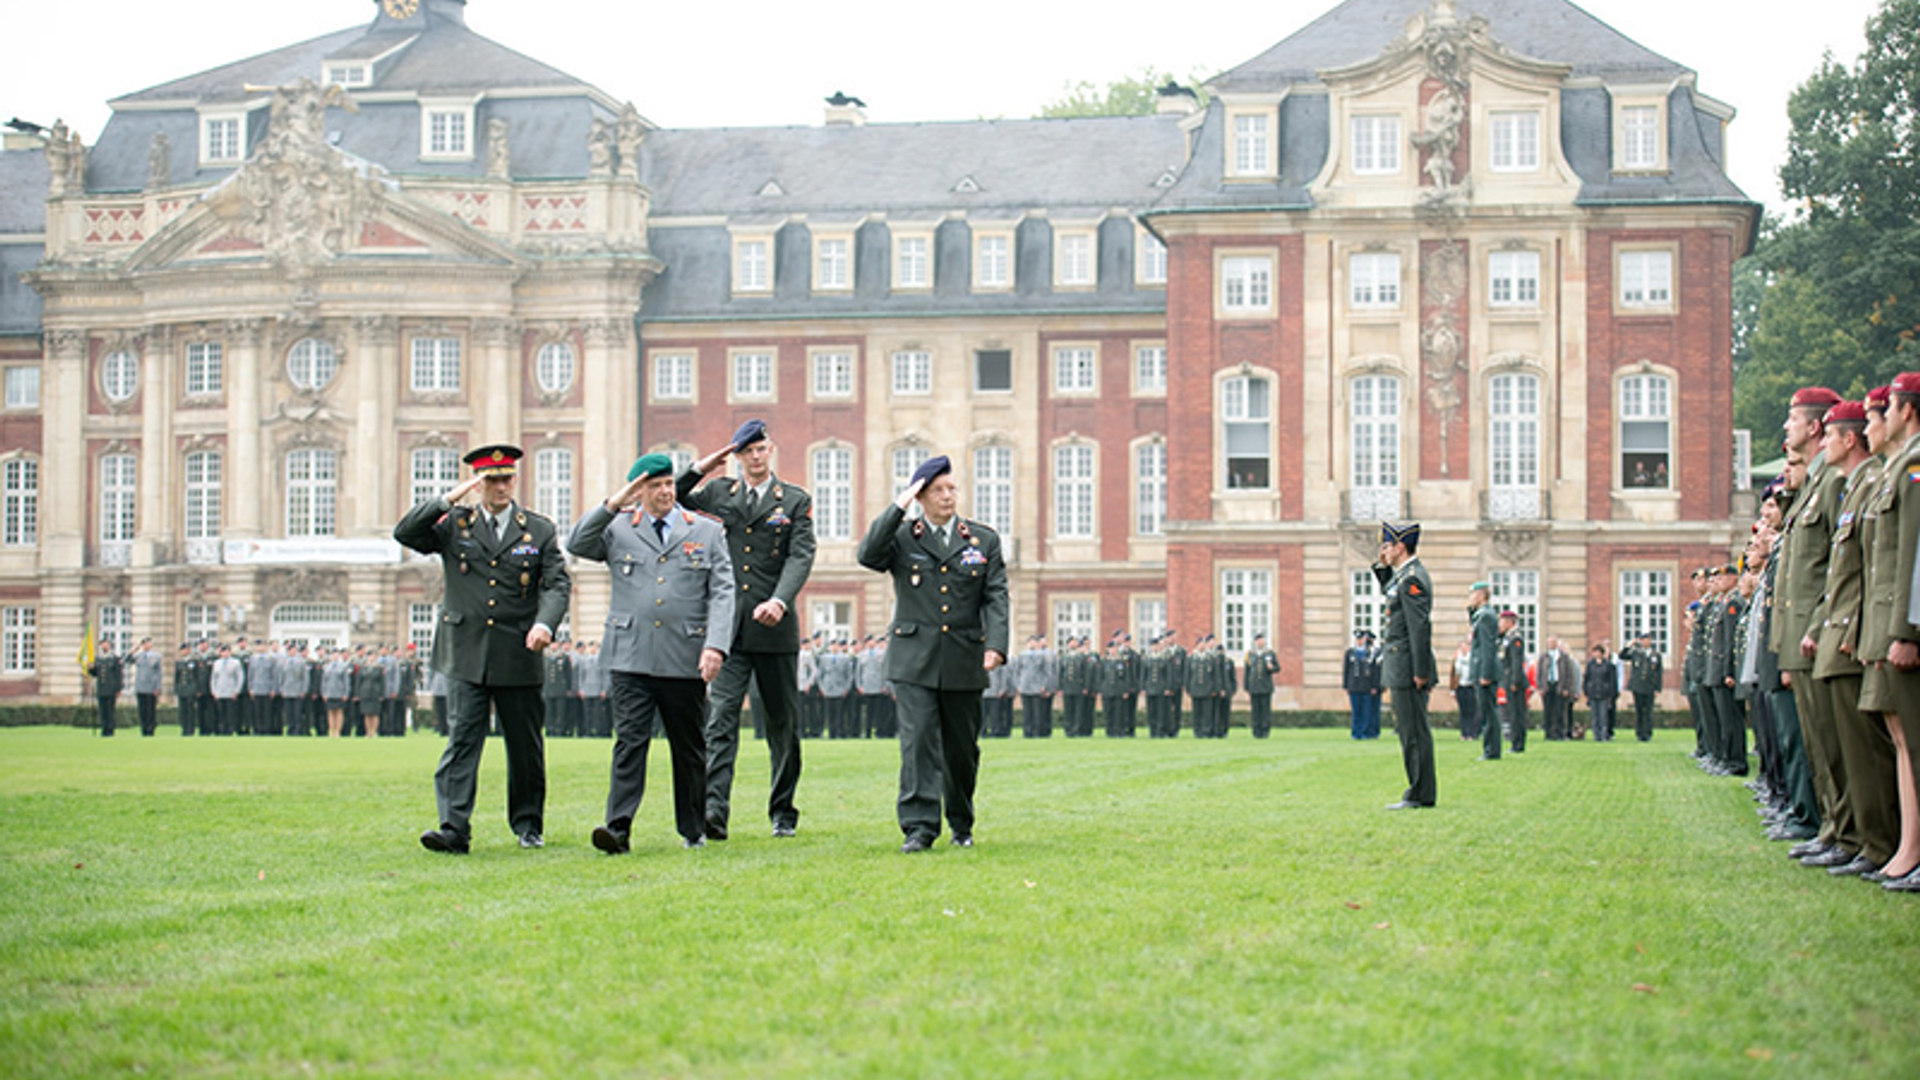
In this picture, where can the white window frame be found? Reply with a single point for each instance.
(832, 374)
(912, 260)
(830, 476)
(1644, 280)
(1518, 591)
(1246, 606)
(903, 460)
(120, 375)
(1238, 410)
(312, 364)
(555, 366)
(1150, 488)
(446, 130)
(199, 622)
(1373, 280)
(753, 264)
(223, 139)
(992, 499)
(1074, 617)
(553, 474)
(993, 270)
(421, 620)
(1076, 369)
(674, 374)
(312, 492)
(1366, 605)
(20, 477)
(202, 473)
(1375, 475)
(1252, 150)
(432, 470)
(205, 374)
(1513, 445)
(1643, 398)
(116, 625)
(434, 365)
(1246, 284)
(119, 498)
(1149, 617)
(750, 375)
(1376, 142)
(833, 262)
(1149, 258)
(347, 74)
(1513, 279)
(1150, 369)
(1513, 145)
(23, 386)
(912, 372)
(1076, 482)
(1076, 258)
(831, 615)
(1646, 603)
(1640, 132)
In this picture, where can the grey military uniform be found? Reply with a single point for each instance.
(1036, 678)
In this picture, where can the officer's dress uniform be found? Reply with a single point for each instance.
(108, 678)
(950, 609)
(1483, 671)
(1406, 654)
(1119, 687)
(1036, 678)
(1513, 679)
(146, 688)
(672, 598)
(499, 583)
(1645, 673)
(1261, 666)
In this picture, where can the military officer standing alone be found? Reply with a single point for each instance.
(106, 670)
(506, 589)
(1036, 676)
(146, 685)
(1406, 660)
(1483, 667)
(1644, 676)
(949, 630)
(1261, 666)
(669, 623)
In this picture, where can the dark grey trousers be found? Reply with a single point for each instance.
(470, 707)
(939, 758)
(680, 705)
(1416, 744)
(779, 698)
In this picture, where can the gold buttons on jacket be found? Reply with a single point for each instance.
(656, 624)
(943, 588)
(489, 622)
(489, 603)
(492, 583)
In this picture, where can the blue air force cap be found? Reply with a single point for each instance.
(751, 432)
(930, 468)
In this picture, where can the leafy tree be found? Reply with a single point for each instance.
(1134, 96)
(1841, 304)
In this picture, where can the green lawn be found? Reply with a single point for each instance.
(1137, 909)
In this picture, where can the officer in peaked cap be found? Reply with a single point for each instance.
(769, 525)
(506, 589)
(949, 630)
(1406, 659)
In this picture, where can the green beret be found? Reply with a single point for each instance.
(650, 465)
(1478, 585)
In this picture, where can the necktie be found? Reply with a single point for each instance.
(660, 530)
(753, 503)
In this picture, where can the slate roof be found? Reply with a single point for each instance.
(23, 209)
(1357, 30)
(1090, 163)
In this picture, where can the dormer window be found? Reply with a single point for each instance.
(1639, 129)
(348, 75)
(446, 131)
(222, 139)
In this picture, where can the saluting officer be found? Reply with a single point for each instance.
(146, 684)
(669, 624)
(1513, 678)
(185, 672)
(1406, 658)
(506, 589)
(1645, 673)
(1260, 668)
(949, 630)
(1483, 667)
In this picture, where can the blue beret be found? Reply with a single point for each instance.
(751, 432)
(930, 468)
(650, 465)
(1407, 533)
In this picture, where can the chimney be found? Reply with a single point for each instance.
(1175, 100)
(845, 110)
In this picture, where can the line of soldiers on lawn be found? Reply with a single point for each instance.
(263, 687)
(1117, 678)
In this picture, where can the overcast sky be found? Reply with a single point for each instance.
(749, 63)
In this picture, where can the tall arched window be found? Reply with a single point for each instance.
(1374, 433)
(1513, 447)
(993, 487)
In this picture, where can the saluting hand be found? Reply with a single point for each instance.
(712, 461)
(913, 492)
(464, 488)
(627, 496)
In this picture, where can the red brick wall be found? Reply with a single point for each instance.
(1112, 420)
(1604, 563)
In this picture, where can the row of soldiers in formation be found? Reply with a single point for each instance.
(263, 687)
(1812, 639)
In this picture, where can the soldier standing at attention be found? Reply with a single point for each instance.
(769, 524)
(184, 668)
(1199, 686)
(1261, 666)
(293, 676)
(949, 630)
(1645, 673)
(556, 683)
(807, 686)
(106, 670)
(506, 589)
(1483, 667)
(225, 678)
(1513, 679)
(836, 689)
(146, 685)
(997, 703)
(1406, 662)
(669, 623)
(1036, 676)
(1155, 667)
(1117, 686)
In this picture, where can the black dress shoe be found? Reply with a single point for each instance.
(1833, 856)
(610, 840)
(782, 831)
(1806, 848)
(1910, 883)
(444, 841)
(1408, 804)
(694, 842)
(1860, 865)
(716, 829)
(532, 840)
(962, 840)
(915, 845)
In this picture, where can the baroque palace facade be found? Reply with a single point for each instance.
(1465, 263)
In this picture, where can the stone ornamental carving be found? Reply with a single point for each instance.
(303, 585)
(66, 161)
(1514, 546)
(298, 198)
(599, 150)
(159, 162)
(1445, 44)
(628, 135)
(1443, 282)
(499, 155)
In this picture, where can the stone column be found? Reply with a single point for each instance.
(496, 384)
(63, 511)
(158, 495)
(372, 445)
(247, 478)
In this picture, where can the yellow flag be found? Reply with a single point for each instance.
(86, 648)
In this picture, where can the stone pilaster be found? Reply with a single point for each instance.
(249, 473)
(372, 447)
